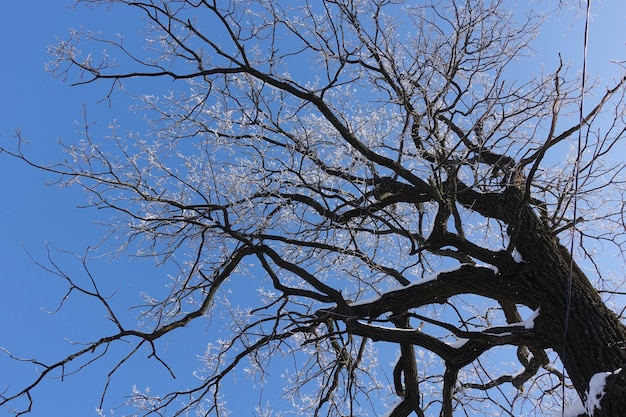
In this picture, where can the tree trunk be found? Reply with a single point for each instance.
(588, 337)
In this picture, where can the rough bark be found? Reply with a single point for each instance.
(573, 319)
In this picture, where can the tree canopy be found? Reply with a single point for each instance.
(343, 184)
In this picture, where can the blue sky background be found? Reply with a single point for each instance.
(31, 214)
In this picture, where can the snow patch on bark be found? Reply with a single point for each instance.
(594, 395)
(529, 323)
(459, 342)
(517, 257)
(488, 266)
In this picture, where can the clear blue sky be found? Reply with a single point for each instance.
(32, 214)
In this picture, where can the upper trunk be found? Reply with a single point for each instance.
(588, 337)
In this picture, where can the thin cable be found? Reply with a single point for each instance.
(575, 199)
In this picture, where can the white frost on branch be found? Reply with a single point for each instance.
(529, 323)
(364, 301)
(392, 408)
(436, 274)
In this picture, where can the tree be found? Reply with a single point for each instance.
(383, 169)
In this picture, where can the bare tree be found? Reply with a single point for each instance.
(386, 170)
